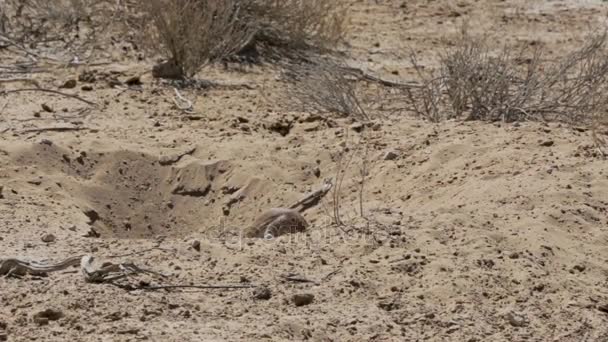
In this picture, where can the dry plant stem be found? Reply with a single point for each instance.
(363, 171)
(314, 196)
(5, 92)
(321, 85)
(54, 129)
(163, 287)
(340, 174)
(360, 74)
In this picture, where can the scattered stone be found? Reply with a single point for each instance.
(516, 320)
(133, 81)
(514, 255)
(357, 127)
(580, 268)
(92, 215)
(391, 155)
(282, 126)
(92, 233)
(317, 172)
(43, 317)
(48, 238)
(69, 84)
(547, 143)
(47, 108)
(262, 293)
(196, 245)
(303, 299)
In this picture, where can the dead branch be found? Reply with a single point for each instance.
(161, 287)
(298, 279)
(55, 129)
(362, 75)
(21, 79)
(6, 92)
(141, 252)
(314, 197)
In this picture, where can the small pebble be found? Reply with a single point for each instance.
(303, 299)
(196, 245)
(48, 238)
(262, 293)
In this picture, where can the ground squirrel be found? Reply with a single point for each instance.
(279, 221)
(275, 222)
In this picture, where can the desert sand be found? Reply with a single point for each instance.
(471, 231)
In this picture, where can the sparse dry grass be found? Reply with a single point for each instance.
(192, 33)
(475, 82)
(321, 85)
(288, 27)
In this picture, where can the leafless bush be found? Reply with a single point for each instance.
(32, 20)
(477, 83)
(321, 85)
(57, 30)
(193, 33)
(285, 27)
(426, 99)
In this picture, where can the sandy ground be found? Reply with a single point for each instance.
(472, 231)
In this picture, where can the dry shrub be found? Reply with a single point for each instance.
(476, 83)
(195, 32)
(33, 21)
(58, 30)
(284, 28)
(321, 85)
(192, 33)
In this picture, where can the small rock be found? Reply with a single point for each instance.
(547, 143)
(69, 84)
(357, 127)
(196, 245)
(262, 293)
(46, 142)
(317, 172)
(1, 189)
(603, 308)
(47, 108)
(580, 268)
(48, 238)
(43, 317)
(3, 336)
(87, 88)
(135, 80)
(516, 320)
(303, 299)
(390, 155)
